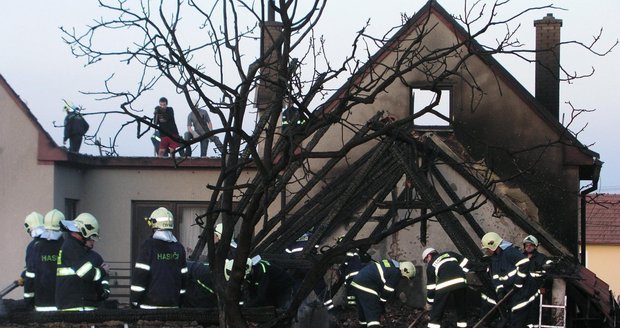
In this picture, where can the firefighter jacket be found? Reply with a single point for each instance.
(200, 291)
(508, 269)
(536, 269)
(81, 283)
(159, 276)
(378, 278)
(40, 281)
(351, 266)
(29, 293)
(445, 272)
(269, 284)
(292, 117)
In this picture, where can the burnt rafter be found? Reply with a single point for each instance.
(446, 219)
(519, 218)
(461, 208)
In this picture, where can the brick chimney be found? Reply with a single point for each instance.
(270, 32)
(548, 63)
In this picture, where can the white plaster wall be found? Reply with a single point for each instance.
(25, 186)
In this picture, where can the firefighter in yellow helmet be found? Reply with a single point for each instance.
(33, 224)
(159, 276)
(81, 275)
(509, 271)
(40, 283)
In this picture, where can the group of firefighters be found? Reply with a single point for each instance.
(64, 273)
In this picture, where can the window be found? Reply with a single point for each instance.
(421, 98)
(71, 208)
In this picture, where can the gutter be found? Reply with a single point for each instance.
(595, 177)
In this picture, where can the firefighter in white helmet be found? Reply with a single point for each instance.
(81, 275)
(159, 276)
(374, 284)
(537, 269)
(33, 224)
(446, 285)
(509, 271)
(40, 283)
(217, 236)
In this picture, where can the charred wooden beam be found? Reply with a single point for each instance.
(403, 205)
(457, 200)
(530, 226)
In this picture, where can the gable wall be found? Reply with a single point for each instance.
(25, 185)
(502, 121)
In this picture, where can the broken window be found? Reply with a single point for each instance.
(421, 98)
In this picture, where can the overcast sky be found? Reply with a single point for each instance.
(42, 70)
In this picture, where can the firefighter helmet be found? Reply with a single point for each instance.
(491, 240)
(87, 225)
(407, 269)
(33, 220)
(531, 240)
(229, 265)
(218, 230)
(52, 220)
(161, 219)
(428, 251)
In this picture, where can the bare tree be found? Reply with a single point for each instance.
(225, 69)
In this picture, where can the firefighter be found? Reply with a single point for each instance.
(298, 274)
(269, 284)
(228, 267)
(292, 117)
(33, 224)
(374, 284)
(538, 263)
(200, 291)
(508, 268)
(355, 260)
(217, 236)
(446, 285)
(159, 276)
(40, 280)
(81, 275)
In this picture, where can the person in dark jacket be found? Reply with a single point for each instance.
(75, 128)
(81, 275)
(33, 224)
(374, 284)
(537, 271)
(164, 119)
(298, 274)
(354, 261)
(269, 284)
(200, 291)
(41, 268)
(159, 276)
(446, 285)
(508, 268)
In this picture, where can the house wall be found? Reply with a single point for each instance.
(602, 259)
(108, 195)
(494, 123)
(25, 186)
